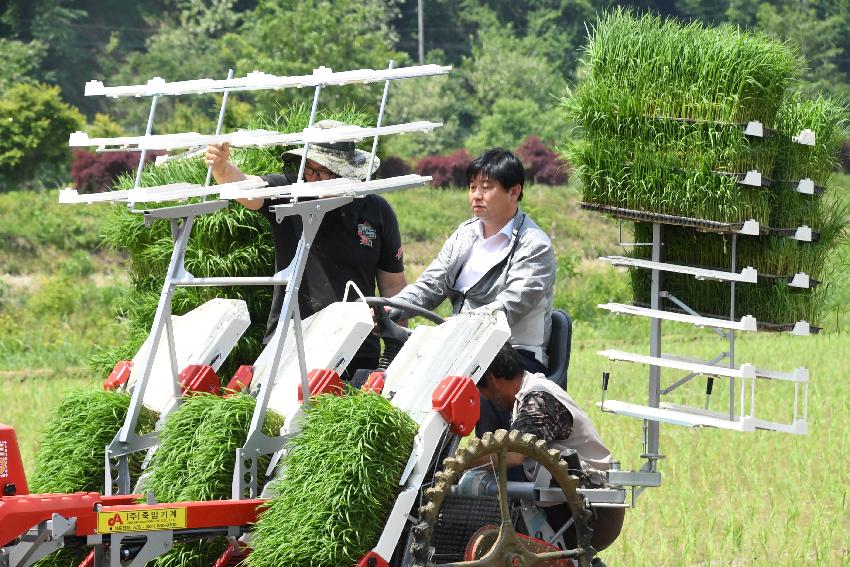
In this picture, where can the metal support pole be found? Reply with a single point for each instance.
(732, 332)
(653, 432)
(307, 144)
(148, 130)
(421, 38)
(380, 120)
(219, 125)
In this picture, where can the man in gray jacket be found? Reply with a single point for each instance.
(499, 260)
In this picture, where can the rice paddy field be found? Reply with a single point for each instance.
(726, 498)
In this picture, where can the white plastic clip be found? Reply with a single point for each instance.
(752, 178)
(803, 234)
(806, 186)
(806, 138)
(750, 228)
(755, 128)
(801, 329)
(801, 280)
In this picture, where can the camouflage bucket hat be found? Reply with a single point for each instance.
(343, 158)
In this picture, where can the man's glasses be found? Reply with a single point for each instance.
(322, 174)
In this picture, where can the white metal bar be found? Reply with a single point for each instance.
(378, 124)
(797, 426)
(797, 375)
(747, 275)
(747, 323)
(219, 124)
(227, 191)
(263, 81)
(676, 416)
(72, 197)
(248, 138)
(744, 371)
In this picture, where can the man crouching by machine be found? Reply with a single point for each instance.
(542, 408)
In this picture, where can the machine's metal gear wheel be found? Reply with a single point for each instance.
(508, 549)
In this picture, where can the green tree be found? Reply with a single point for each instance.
(819, 32)
(293, 37)
(21, 61)
(34, 129)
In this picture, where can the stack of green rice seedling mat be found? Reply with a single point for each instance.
(696, 128)
(336, 485)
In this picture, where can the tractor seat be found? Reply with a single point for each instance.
(558, 349)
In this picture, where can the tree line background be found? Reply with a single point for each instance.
(513, 60)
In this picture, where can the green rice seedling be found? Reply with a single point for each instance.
(337, 484)
(70, 456)
(197, 447)
(828, 119)
(196, 458)
(656, 67)
(640, 178)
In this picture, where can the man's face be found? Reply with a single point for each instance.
(491, 201)
(315, 172)
(499, 393)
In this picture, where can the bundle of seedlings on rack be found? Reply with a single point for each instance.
(70, 454)
(664, 110)
(233, 241)
(195, 461)
(615, 172)
(828, 119)
(646, 66)
(336, 484)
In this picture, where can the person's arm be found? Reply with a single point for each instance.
(431, 288)
(390, 283)
(530, 277)
(542, 415)
(224, 171)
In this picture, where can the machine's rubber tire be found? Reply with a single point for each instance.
(507, 544)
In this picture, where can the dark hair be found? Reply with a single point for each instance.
(505, 366)
(498, 164)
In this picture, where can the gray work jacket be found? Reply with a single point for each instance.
(520, 284)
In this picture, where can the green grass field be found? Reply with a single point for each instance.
(726, 498)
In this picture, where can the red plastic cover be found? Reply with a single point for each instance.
(241, 380)
(372, 559)
(322, 381)
(119, 375)
(374, 383)
(200, 378)
(458, 401)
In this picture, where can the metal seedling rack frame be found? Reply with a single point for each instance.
(323, 196)
(741, 412)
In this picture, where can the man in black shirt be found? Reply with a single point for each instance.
(359, 242)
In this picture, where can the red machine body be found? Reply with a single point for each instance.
(13, 478)
(458, 401)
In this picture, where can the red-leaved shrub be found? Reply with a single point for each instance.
(95, 172)
(446, 171)
(393, 166)
(542, 165)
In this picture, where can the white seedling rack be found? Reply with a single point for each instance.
(309, 201)
(741, 413)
